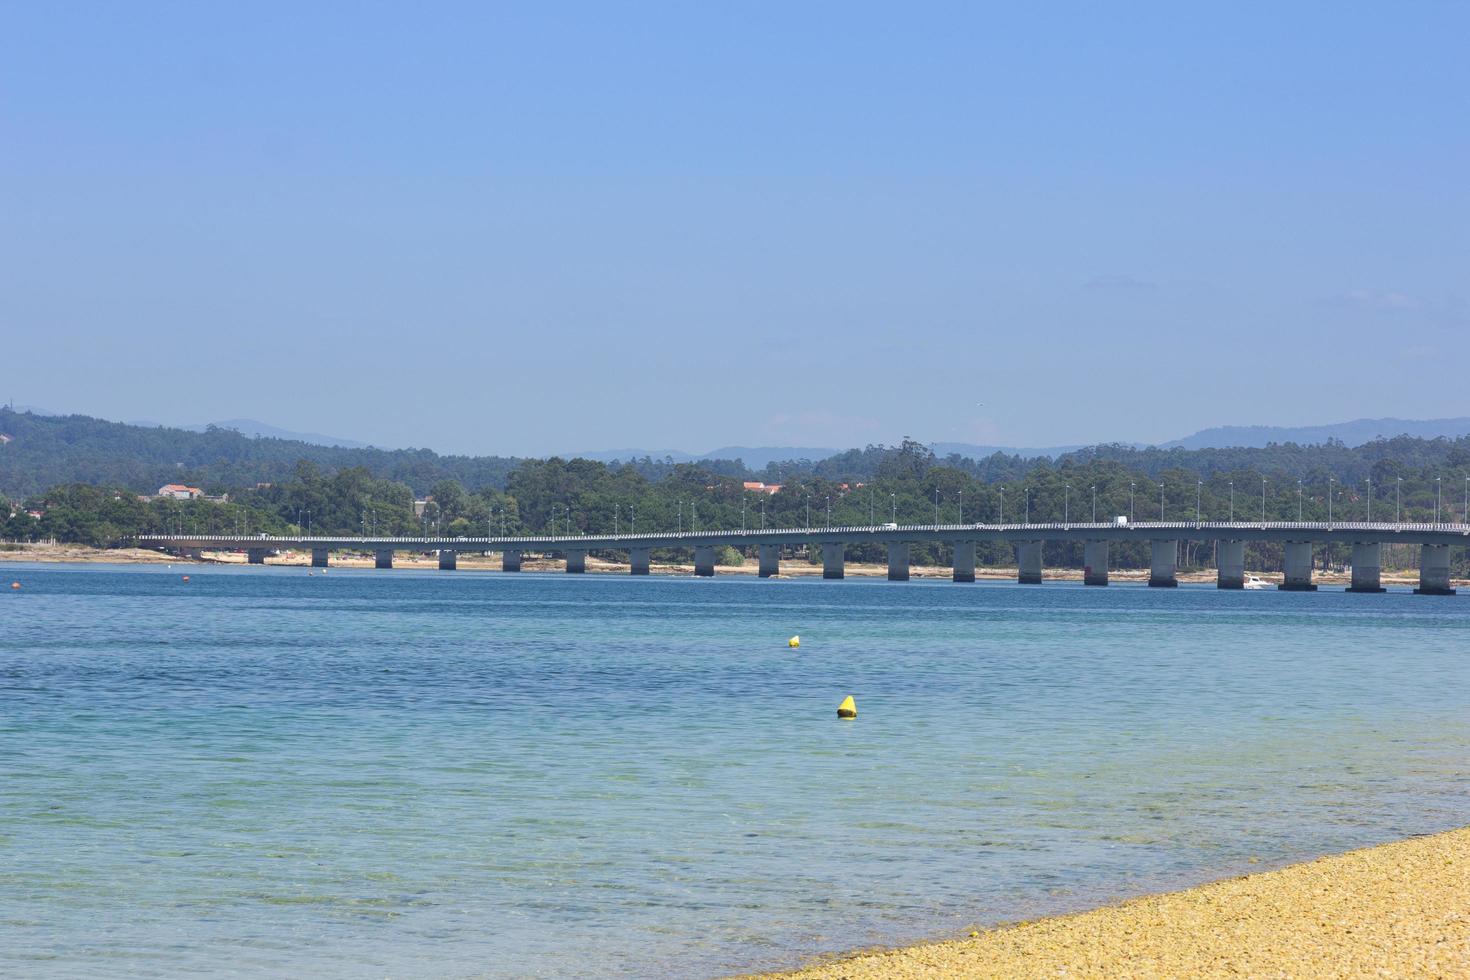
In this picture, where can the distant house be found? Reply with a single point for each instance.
(767, 488)
(177, 491)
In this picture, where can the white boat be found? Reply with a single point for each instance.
(1254, 582)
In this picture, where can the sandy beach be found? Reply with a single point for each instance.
(1399, 910)
(790, 567)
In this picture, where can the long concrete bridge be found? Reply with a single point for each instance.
(1298, 539)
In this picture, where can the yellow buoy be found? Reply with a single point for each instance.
(15, 585)
(794, 642)
(848, 708)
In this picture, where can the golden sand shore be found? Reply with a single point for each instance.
(1399, 910)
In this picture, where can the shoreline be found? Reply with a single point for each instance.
(790, 568)
(1397, 909)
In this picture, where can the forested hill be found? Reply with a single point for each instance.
(1347, 464)
(44, 451)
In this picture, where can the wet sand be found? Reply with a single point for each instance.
(1399, 910)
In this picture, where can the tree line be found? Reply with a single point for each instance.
(907, 485)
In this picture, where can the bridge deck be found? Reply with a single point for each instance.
(1315, 532)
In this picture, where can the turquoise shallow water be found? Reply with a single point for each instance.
(475, 774)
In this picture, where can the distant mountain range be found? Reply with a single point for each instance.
(257, 429)
(754, 457)
(1354, 433)
(250, 427)
(759, 457)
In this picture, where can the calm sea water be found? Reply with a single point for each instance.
(263, 772)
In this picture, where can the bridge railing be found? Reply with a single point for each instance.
(654, 538)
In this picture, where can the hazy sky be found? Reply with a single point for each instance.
(556, 227)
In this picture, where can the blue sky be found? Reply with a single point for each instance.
(557, 227)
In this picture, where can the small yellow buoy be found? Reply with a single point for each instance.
(794, 642)
(848, 708)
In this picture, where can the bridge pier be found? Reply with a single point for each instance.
(195, 553)
(1095, 563)
(383, 558)
(1434, 570)
(704, 560)
(1163, 572)
(1028, 562)
(1367, 562)
(255, 556)
(1230, 564)
(638, 561)
(448, 560)
(319, 557)
(770, 560)
(898, 561)
(1298, 567)
(510, 560)
(832, 559)
(964, 561)
(576, 562)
